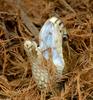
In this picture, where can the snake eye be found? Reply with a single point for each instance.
(65, 37)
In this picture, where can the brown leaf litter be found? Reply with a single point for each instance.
(22, 19)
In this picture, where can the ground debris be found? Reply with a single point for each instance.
(23, 21)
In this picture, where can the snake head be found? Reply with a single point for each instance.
(30, 47)
(59, 26)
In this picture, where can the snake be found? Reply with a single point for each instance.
(51, 37)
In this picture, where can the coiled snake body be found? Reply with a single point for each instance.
(51, 36)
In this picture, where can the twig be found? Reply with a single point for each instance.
(26, 20)
(78, 87)
(67, 5)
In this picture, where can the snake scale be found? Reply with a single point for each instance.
(50, 36)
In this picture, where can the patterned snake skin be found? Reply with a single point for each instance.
(51, 36)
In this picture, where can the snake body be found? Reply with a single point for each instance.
(40, 75)
(50, 36)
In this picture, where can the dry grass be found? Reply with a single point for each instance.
(16, 81)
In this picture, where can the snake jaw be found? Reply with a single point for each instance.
(51, 36)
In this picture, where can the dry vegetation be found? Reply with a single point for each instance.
(21, 19)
